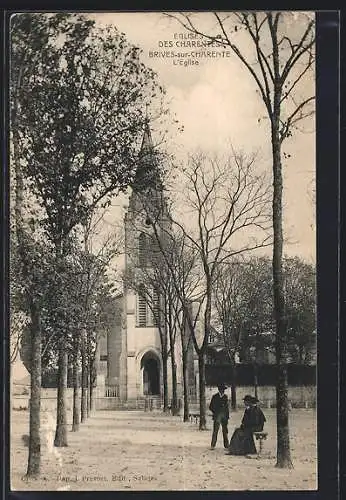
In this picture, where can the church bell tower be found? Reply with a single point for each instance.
(146, 205)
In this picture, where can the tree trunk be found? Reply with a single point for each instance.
(202, 400)
(185, 388)
(201, 357)
(282, 412)
(84, 382)
(165, 383)
(91, 385)
(75, 418)
(174, 408)
(34, 460)
(255, 379)
(88, 381)
(92, 400)
(234, 387)
(94, 373)
(283, 441)
(87, 394)
(61, 419)
(34, 457)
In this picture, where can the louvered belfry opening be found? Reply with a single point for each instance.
(142, 307)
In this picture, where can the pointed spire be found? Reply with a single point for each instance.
(147, 142)
(147, 175)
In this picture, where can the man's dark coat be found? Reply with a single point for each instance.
(219, 407)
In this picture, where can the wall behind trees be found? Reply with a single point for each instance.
(298, 375)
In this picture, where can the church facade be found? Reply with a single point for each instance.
(130, 357)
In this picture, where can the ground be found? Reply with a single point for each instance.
(116, 450)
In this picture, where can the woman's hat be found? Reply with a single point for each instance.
(248, 398)
(254, 400)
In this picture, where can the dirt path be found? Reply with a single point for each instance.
(148, 451)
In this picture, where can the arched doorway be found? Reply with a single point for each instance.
(150, 366)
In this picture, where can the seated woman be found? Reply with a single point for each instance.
(242, 442)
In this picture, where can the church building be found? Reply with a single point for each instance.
(130, 358)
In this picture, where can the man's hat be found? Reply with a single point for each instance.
(221, 386)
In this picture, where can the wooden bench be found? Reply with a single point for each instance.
(194, 417)
(194, 414)
(260, 436)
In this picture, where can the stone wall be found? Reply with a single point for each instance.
(299, 397)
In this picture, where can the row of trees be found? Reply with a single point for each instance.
(77, 115)
(78, 302)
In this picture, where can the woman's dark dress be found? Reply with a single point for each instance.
(242, 442)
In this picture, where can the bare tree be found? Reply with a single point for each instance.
(228, 307)
(172, 311)
(187, 358)
(185, 276)
(225, 213)
(281, 59)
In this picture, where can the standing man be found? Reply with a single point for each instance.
(219, 408)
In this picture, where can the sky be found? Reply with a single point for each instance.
(217, 103)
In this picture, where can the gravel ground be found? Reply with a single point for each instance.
(118, 450)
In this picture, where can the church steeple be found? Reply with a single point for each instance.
(147, 174)
(147, 141)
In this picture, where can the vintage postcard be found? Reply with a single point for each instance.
(163, 251)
